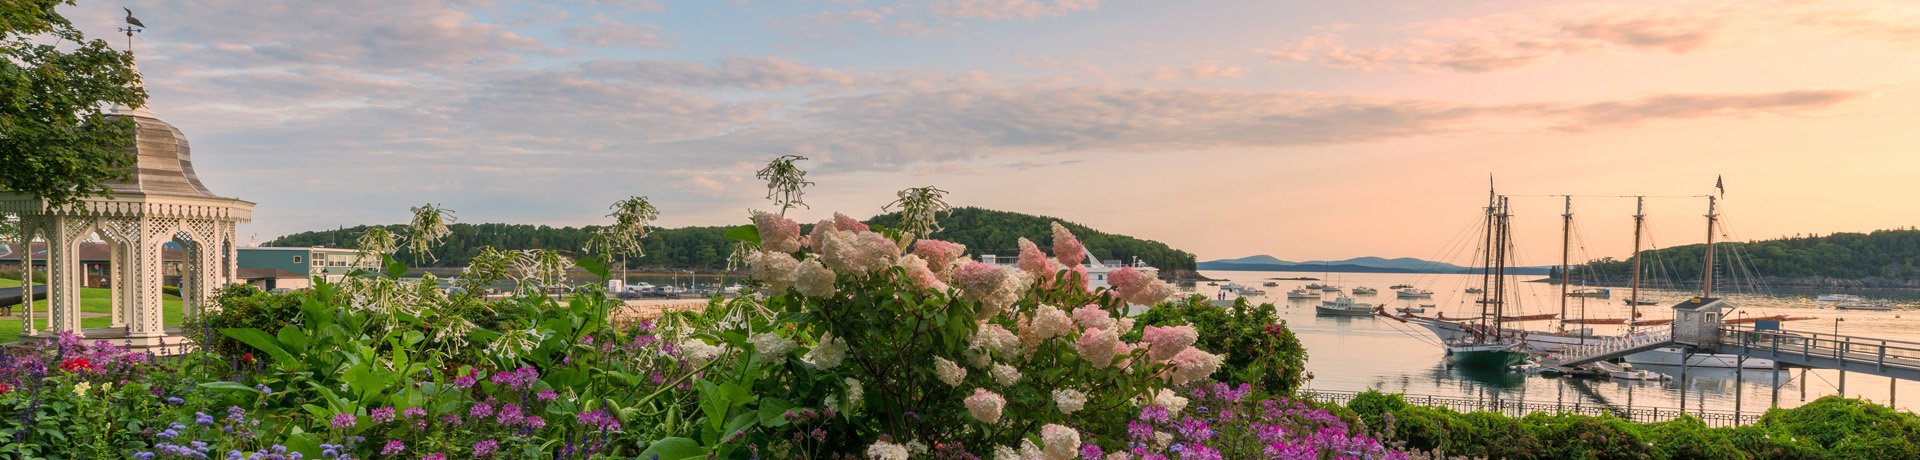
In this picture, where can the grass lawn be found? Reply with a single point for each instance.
(92, 300)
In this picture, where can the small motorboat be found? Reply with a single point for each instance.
(1627, 372)
(1270, 284)
(1363, 290)
(1399, 286)
(1413, 293)
(1302, 293)
(1343, 306)
(1422, 309)
(1475, 290)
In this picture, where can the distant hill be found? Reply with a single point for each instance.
(1353, 265)
(984, 231)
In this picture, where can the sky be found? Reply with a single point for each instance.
(1304, 130)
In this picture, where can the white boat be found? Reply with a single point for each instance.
(1270, 284)
(1302, 293)
(1241, 289)
(1343, 306)
(1475, 290)
(1097, 269)
(1316, 286)
(1839, 298)
(1422, 309)
(1413, 293)
(1865, 306)
(1363, 290)
(1627, 372)
(1331, 288)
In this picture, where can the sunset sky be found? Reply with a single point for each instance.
(1305, 130)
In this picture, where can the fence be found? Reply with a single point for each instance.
(1520, 408)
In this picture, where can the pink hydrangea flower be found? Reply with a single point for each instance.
(1164, 342)
(1154, 292)
(1061, 442)
(818, 237)
(985, 405)
(1047, 322)
(1033, 261)
(848, 224)
(1192, 365)
(1098, 346)
(1066, 247)
(992, 337)
(777, 233)
(939, 254)
(1093, 317)
(859, 253)
(1126, 279)
(923, 277)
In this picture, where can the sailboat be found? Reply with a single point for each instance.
(1489, 347)
(1676, 356)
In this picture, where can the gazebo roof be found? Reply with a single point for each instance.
(163, 163)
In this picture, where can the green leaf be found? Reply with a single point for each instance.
(674, 449)
(395, 269)
(744, 233)
(594, 266)
(259, 339)
(229, 386)
(773, 412)
(294, 338)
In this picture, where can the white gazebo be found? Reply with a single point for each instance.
(161, 202)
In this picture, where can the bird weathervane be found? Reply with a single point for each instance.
(133, 26)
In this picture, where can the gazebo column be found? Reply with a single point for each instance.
(117, 274)
(206, 273)
(27, 231)
(144, 264)
(63, 274)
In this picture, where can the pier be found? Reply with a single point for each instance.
(1521, 407)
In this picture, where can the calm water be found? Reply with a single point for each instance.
(1353, 354)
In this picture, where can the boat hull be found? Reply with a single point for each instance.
(1335, 311)
(1496, 356)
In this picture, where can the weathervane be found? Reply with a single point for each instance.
(133, 26)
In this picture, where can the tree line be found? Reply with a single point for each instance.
(707, 248)
(1884, 254)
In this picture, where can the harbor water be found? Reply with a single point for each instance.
(1360, 353)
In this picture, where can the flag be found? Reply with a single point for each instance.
(1720, 184)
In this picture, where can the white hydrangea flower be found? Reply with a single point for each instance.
(855, 394)
(949, 373)
(1062, 443)
(829, 353)
(814, 279)
(698, 352)
(1005, 453)
(882, 450)
(1006, 375)
(772, 347)
(1173, 402)
(1069, 400)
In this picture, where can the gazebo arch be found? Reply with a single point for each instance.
(161, 202)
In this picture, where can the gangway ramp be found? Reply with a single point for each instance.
(1614, 348)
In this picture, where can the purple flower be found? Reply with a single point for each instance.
(535, 422)
(480, 410)
(598, 419)
(202, 418)
(485, 448)
(344, 421)
(412, 412)
(435, 456)
(464, 381)
(1091, 451)
(382, 415)
(393, 447)
(450, 419)
(510, 415)
(546, 396)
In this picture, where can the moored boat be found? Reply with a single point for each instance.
(1413, 293)
(1343, 306)
(1302, 293)
(1495, 355)
(1363, 290)
(1399, 286)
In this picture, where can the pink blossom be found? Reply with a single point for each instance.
(1154, 292)
(1192, 365)
(1066, 247)
(859, 253)
(777, 233)
(1061, 442)
(1093, 317)
(1126, 279)
(1047, 322)
(848, 224)
(939, 254)
(813, 279)
(922, 276)
(817, 238)
(1098, 346)
(1165, 342)
(1003, 343)
(993, 287)
(985, 405)
(1033, 261)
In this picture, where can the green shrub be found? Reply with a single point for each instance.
(243, 306)
(1259, 347)
(38, 278)
(1833, 420)
(1688, 437)
(1761, 441)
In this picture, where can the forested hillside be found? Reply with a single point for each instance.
(987, 231)
(1892, 255)
(983, 231)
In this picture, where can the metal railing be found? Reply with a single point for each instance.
(1520, 408)
(1616, 345)
(1852, 352)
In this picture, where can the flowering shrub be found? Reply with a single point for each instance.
(909, 340)
(1217, 420)
(1267, 354)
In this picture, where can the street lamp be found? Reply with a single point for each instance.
(1836, 327)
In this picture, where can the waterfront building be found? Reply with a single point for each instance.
(295, 268)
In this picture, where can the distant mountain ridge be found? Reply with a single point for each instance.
(1354, 265)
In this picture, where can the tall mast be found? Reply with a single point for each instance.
(1566, 234)
(1706, 283)
(1500, 272)
(1633, 299)
(1486, 265)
